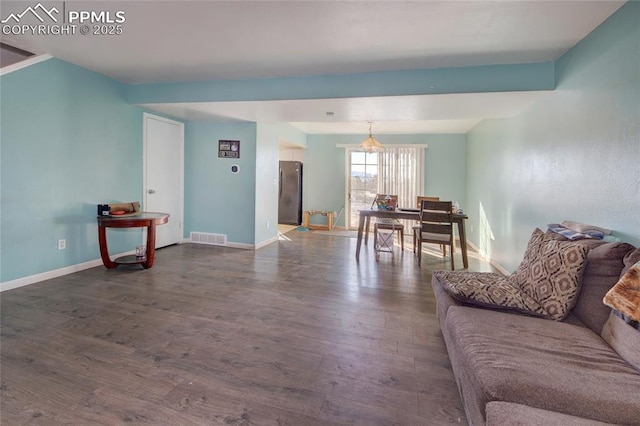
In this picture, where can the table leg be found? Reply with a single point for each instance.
(151, 246)
(366, 228)
(463, 243)
(104, 250)
(359, 240)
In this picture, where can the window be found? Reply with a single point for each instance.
(362, 184)
(401, 172)
(397, 170)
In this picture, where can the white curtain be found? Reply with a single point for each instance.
(401, 171)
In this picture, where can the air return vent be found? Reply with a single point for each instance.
(206, 238)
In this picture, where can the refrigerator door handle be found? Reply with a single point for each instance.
(280, 194)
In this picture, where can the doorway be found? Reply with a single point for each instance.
(398, 170)
(163, 175)
(362, 183)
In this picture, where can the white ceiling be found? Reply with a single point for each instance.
(175, 41)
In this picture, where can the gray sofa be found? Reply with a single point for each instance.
(516, 369)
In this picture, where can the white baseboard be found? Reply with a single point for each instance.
(32, 279)
(266, 242)
(242, 246)
(493, 263)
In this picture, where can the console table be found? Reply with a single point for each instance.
(140, 220)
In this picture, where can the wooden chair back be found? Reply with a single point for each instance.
(436, 225)
(436, 218)
(421, 198)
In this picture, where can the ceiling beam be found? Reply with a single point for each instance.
(478, 79)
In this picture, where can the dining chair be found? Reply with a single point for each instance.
(416, 228)
(436, 226)
(421, 198)
(385, 223)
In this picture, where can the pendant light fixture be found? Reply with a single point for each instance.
(371, 144)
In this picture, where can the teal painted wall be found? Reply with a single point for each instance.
(324, 174)
(216, 200)
(324, 168)
(574, 155)
(445, 174)
(68, 142)
(291, 134)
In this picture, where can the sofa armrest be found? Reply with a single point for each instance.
(443, 299)
(501, 413)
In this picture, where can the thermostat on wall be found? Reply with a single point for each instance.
(235, 168)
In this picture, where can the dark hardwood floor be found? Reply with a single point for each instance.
(295, 333)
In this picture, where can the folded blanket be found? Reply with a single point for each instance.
(572, 234)
(584, 228)
(624, 297)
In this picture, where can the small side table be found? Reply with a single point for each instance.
(144, 219)
(329, 215)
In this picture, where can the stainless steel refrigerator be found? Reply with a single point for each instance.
(290, 193)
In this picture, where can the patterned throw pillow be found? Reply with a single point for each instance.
(624, 297)
(546, 284)
(552, 274)
(488, 290)
(530, 254)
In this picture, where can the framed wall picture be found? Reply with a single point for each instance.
(228, 149)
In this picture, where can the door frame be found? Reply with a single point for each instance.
(145, 118)
(347, 179)
(348, 148)
(347, 186)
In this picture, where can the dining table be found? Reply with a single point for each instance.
(408, 214)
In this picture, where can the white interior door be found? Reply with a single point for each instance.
(164, 175)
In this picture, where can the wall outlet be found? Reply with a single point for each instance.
(268, 224)
(62, 244)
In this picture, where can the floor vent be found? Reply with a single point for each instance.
(205, 238)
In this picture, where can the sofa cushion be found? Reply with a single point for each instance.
(507, 413)
(623, 338)
(605, 262)
(551, 273)
(546, 364)
(624, 297)
(487, 290)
